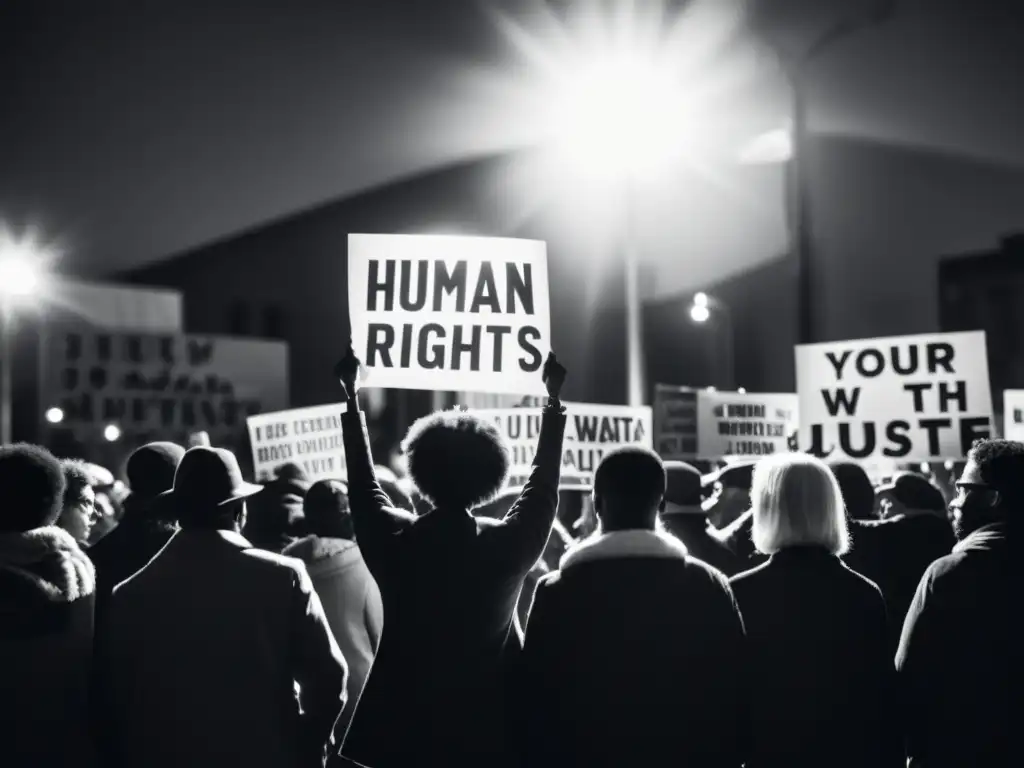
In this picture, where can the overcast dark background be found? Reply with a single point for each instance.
(131, 130)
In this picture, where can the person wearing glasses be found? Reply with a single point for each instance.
(958, 648)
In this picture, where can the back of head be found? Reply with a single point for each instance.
(797, 502)
(916, 492)
(327, 511)
(629, 486)
(457, 461)
(683, 489)
(858, 492)
(32, 488)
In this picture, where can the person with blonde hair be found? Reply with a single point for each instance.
(817, 631)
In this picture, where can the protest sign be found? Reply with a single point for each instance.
(675, 422)
(744, 424)
(450, 313)
(1013, 414)
(159, 387)
(308, 437)
(911, 398)
(590, 432)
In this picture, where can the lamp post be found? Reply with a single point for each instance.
(18, 279)
(705, 308)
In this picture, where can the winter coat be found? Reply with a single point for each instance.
(200, 653)
(634, 655)
(436, 693)
(894, 553)
(820, 667)
(959, 655)
(352, 603)
(47, 594)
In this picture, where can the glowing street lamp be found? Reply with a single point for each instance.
(701, 311)
(55, 415)
(112, 433)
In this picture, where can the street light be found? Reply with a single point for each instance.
(701, 310)
(55, 415)
(112, 433)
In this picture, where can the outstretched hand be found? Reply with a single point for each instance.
(347, 371)
(553, 376)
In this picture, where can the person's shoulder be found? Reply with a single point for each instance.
(749, 579)
(274, 561)
(861, 583)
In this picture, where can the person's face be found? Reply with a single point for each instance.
(975, 504)
(79, 516)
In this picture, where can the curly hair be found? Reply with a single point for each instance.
(76, 478)
(31, 486)
(1001, 463)
(457, 460)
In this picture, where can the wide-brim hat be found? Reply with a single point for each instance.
(683, 485)
(739, 474)
(211, 477)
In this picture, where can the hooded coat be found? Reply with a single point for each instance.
(958, 656)
(352, 603)
(634, 655)
(47, 593)
(436, 693)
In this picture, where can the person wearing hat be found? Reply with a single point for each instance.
(146, 525)
(684, 516)
(730, 513)
(634, 638)
(202, 651)
(275, 518)
(350, 596)
(46, 618)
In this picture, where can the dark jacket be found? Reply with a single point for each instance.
(960, 656)
(450, 582)
(697, 534)
(46, 631)
(894, 554)
(820, 665)
(634, 656)
(737, 537)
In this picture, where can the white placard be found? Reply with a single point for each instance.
(744, 424)
(590, 432)
(908, 398)
(450, 313)
(308, 437)
(1013, 414)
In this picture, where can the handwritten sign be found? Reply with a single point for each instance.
(308, 437)
(450, 313)
(160, 387)
(591, 431)
(744, 424)
(675, 422)
(910, 398)
(1013, 414)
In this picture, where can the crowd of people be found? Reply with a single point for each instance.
(780, 614)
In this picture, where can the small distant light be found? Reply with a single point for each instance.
(112, 433)
(55, 415)
(925, 468)
(742, 391)
(711, 389)
(700, 300)
(949, 465)
(699, 313)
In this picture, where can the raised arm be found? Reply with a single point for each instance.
(375, 518)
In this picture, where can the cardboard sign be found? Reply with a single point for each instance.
(450, 313)
(308, 437)
(160, 387)
(1013, 414)
(590, 432)
(744, 424)
(675, 422)
(909, 398)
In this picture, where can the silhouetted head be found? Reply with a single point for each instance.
(629, 486)
(991, 487)
(797, 502)
(327, 511)
(457, 461)
(858, 492)
(209, 492)
(31, 488)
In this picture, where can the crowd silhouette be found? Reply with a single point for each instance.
(778, 614)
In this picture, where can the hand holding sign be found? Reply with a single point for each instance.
(553, 376)
(347, 371)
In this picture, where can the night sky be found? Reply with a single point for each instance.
(134, 129)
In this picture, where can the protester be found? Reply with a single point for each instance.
(201, 650)
(147, 523)
(817, 631)
(78, 508)
(347, 590)
(632, 640)
(961, 640)
(731, 493)
(276, 517)
(436, 694)
(685, 518)
(46, 619)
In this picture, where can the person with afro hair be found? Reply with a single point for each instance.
(449, 581)
(47, 584)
